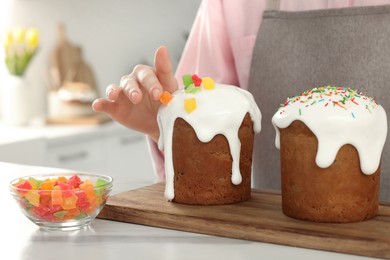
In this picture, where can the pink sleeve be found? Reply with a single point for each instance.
(208, 52)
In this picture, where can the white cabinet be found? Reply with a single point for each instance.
(128, 155)
(79, 155)
(108, 149)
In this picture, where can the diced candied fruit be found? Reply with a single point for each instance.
(208, 83)
(46, 185)
(26, 185)
(69, 202)
(56, 197)
(60, 199)
(187, 80)
(190, 104)
(60, 214)
(66, 189)
(74, 181)
(33, 198)
(166, 97)
(197, 81)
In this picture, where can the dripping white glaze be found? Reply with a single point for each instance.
(218, 111)
(338, 116)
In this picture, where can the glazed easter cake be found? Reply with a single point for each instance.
(206, 133)
(330, 141)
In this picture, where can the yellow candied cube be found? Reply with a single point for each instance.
(69, 202)
(33, 198)
(208, 83)
(190, 104)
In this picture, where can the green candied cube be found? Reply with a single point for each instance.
(187, 80)
(99, 190)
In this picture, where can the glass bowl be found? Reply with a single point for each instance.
(65, 201)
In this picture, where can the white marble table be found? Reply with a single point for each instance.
(21, 239)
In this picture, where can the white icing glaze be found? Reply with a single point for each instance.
(338, 116)
(218, 111)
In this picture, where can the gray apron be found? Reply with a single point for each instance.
(296, 51)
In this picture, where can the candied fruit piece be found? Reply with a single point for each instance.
(192, 89)
(69, 202)
(197, 81)
(166, 97)
(46, 185)
(187, 80)
(208, 83)
(33, 198)
(75, 181)
(26, 185)
(56, 197)
(190, 104)
(60, 214)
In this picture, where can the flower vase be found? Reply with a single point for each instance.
(15, 101)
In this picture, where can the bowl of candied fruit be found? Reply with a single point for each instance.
(65, 201)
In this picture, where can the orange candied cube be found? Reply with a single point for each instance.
(69, 202)
(56, 196)
(72, 213)
(166, 97)
(46, 185)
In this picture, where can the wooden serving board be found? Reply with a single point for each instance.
(259, 219)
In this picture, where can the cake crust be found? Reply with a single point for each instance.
(202, 171)
(339, 193)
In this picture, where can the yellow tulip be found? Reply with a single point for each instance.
(20, 47)
(7, 39)
(19, 34)
(32, 37)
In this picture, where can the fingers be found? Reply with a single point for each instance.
(148, 79)
(131, 89)
(112, 92)
(103, 105)
(164, 69)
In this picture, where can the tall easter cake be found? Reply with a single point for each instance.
(206, 133)
(330, 141)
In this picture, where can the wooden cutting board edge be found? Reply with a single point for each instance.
(285, 230)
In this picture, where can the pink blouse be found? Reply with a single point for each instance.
(222, 39)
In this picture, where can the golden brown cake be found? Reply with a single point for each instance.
(206, 133)
(203, 170)
(339, 193)
(330, 155)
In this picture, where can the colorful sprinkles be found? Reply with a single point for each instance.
(337, 96)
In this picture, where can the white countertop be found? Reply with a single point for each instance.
(115, 240)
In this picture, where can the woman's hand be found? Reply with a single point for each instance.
(135, 102)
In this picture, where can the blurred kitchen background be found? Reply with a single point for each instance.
(113, 37)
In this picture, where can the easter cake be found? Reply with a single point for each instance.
(206, 133)
(330, 141)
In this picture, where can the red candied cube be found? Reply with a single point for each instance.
(197, 81)
(66, 189)
(82, 201)
(75, 181)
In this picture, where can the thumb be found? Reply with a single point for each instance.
(164, 69)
